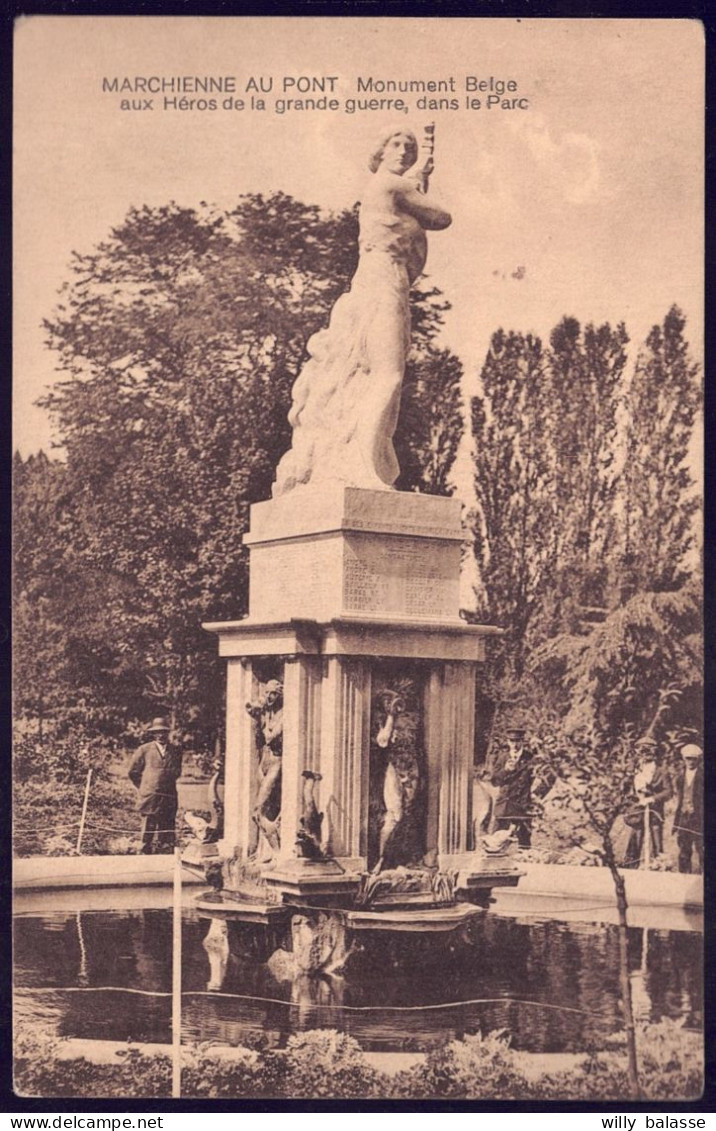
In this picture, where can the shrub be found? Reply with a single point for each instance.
(38, 1071)
(476, 1067)
(670, 1061)
(208, 1077)
(323, 1064)
(62, 758)
(594, 1078)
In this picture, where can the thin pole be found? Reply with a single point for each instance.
(176, 979)
(84, 813)
(647, 836)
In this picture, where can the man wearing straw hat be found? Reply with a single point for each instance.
(652, 789)
(153, 770)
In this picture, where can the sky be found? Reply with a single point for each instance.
(587, 200)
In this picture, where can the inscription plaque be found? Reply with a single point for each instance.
(399, 575)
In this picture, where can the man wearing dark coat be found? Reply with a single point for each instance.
(513, 805)
(153, 770)
(689, 814)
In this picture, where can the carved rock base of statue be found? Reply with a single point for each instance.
(198, 857)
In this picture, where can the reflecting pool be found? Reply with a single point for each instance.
(552, 983)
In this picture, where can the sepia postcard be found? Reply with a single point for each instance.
(358, 738)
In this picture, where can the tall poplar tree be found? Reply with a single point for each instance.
(586, 370)
(513, 479)
(660, 498)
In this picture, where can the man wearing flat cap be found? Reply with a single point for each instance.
(153, 770)
(689, 815)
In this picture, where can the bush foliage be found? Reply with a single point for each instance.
(323, 1064)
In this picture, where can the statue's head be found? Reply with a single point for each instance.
(396, 148)
(273, 694)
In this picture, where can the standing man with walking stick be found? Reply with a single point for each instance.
(153, 770)
(689, 815)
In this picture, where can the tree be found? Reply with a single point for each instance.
(637, 670)
(430, 423)
(595, 771)
(586, 388)
(660, 502)
(545, 432)
(612, 678)
(513, 482)
(39, 659)
(636, 535)
(589, 568)
(599, 784)
(181, 336)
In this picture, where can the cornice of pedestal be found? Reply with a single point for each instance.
(331, 508)
(354, 636)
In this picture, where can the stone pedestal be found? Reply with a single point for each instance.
(346, 551)
(341, 582)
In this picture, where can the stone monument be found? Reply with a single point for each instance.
(354, 612)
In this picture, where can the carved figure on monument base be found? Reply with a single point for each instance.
(396, 751)
(308, 837)
(396, 886)
(211, 830)
(267, 713)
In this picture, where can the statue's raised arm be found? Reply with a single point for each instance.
(347, 397)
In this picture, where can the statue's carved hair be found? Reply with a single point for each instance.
(377, 155)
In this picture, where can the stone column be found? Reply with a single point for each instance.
(449, 738)
(241, 760)
(301, 730)
(345, 762)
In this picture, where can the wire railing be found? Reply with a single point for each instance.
(320, 1006)
(132, 833)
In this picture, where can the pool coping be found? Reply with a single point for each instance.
(567, 880)
(43, 872)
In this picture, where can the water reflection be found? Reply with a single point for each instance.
(216, 945)
(553, 985)
(668, 975)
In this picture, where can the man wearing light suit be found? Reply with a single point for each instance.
(153, 770)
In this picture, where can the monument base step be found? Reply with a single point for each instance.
(240, 911)
(306, 879)
(419, 919)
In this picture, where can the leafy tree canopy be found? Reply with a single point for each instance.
(180, 337)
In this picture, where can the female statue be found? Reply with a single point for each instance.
(267, 713)
(347, 397)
